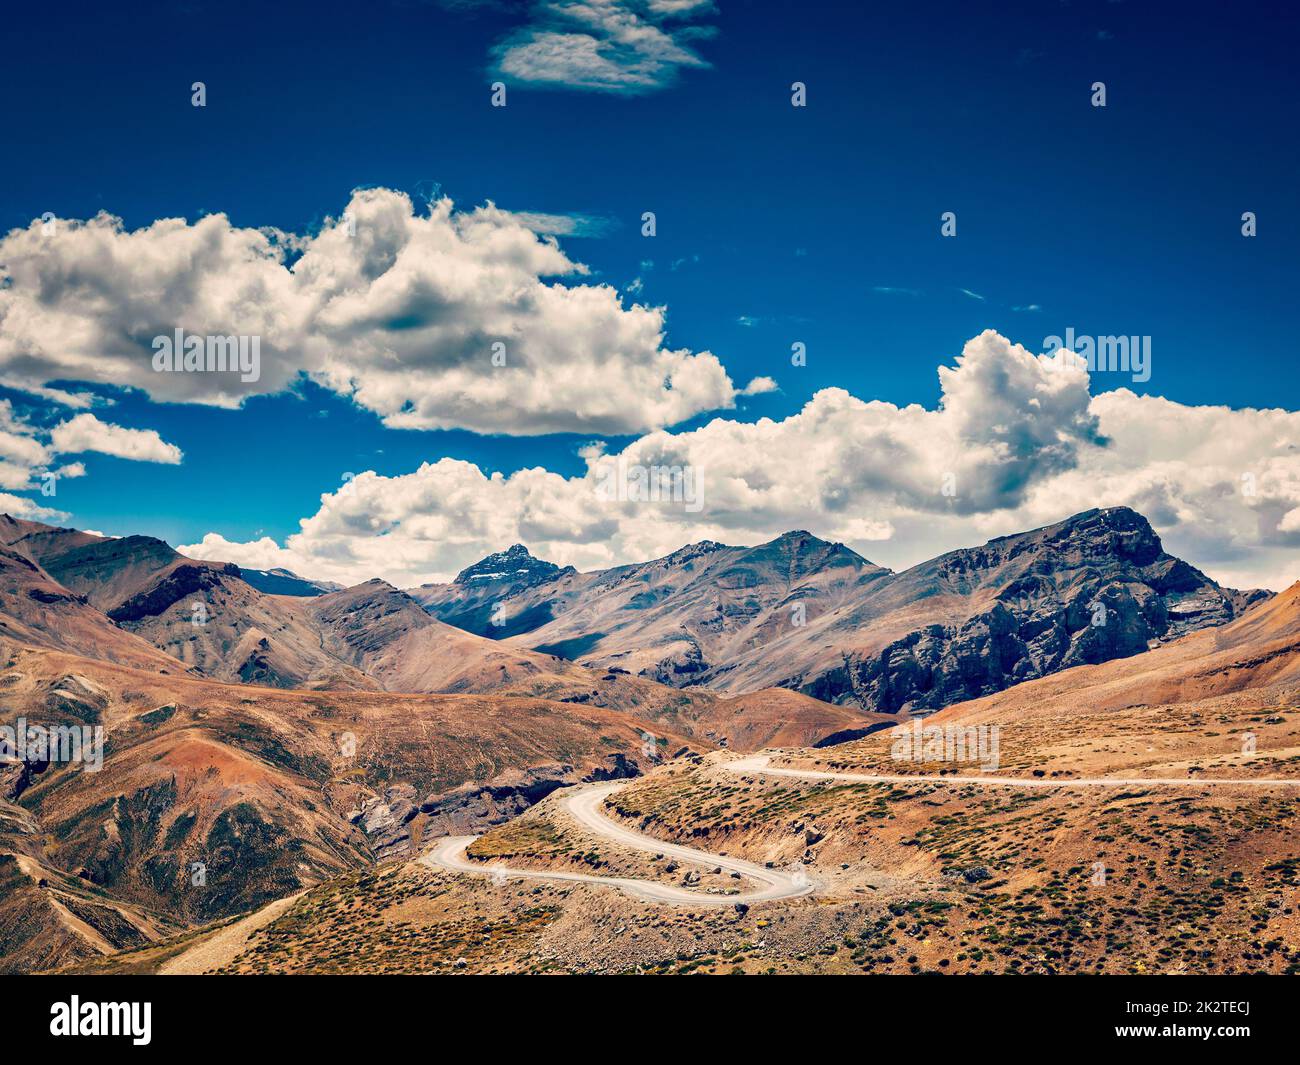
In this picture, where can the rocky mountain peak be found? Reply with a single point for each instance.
(1118, 531)
(515, 565)
(807, 552)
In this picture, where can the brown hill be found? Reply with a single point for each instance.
(37, 610)
(384, 634)
(777, 717)
(202, 614)
(268, 789)
(368, 637)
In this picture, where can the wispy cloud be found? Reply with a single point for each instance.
(618, 46)
(972, 295)
(1027, 308)
(567, 225)
(892, 290)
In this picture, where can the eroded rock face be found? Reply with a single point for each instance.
(617, 767)
(396, 825)
(16, 775)
(1091, 589)
(183, 580)
(385, 820)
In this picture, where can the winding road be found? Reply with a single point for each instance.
(759, 764)
(584, 806)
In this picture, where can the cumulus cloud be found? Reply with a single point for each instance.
(21, 450)
(83, 301)
(28, 451)
(1016, 442)
(430, 523)
(86, 432)
(619, 46)
(29, 510)
(432, 320)
(758, 386)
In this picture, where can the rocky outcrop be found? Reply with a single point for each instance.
(617, 767)
(189, 578)
(385, 819)
(1094, 588)
(396, 824)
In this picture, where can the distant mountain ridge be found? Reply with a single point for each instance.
(285, 582)
(670, 618)
(801, 613)
(798, 613)
(135, 601)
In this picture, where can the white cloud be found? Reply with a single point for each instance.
(758, 386)
(430, 522)
(400, 311)
(1017, 440)
(21, 452)
(28, 510)
(27, 454)
(620, 46)
(85, 432)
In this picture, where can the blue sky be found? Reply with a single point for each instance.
(775, 224)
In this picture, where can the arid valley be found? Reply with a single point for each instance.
(368, 789)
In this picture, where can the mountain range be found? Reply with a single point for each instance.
(284, 732)
(1184, 862)
(816, 617)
